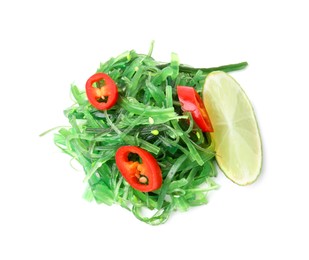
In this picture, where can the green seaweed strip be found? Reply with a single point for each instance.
(168, 179)
(225, 68)
(133, 106)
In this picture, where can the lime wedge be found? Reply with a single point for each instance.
(236, 135)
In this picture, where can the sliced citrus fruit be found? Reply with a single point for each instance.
(236, 134)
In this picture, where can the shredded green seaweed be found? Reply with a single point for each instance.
(148, 115)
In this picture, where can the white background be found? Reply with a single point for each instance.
(47, 45)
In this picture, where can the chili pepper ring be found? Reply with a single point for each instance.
(143, 172)
(104, 96)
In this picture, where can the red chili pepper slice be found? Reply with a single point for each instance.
(139, 168)
(101, 97)
(192, 102)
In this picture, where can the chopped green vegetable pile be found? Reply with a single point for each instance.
(148, 115)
